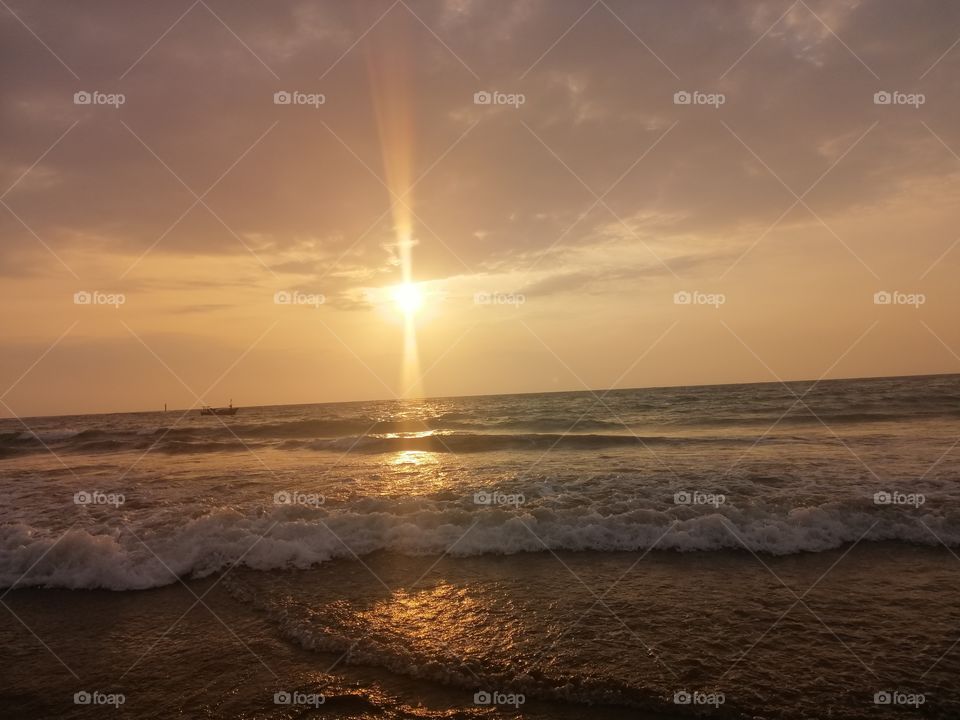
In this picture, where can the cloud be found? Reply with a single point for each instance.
(521, 175)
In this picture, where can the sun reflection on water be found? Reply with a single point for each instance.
(414, 457)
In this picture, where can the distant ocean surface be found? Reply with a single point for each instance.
(583, 550)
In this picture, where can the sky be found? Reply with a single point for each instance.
(569, 219)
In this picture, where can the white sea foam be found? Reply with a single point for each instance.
(294, 537)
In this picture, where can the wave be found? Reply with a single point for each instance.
(335, 631)
(485, 442)
(187, 441)
(289, 537)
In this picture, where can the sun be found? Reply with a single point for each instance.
(408, 298)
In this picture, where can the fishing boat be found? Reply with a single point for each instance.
(229, 410)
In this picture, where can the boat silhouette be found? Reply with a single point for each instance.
(229, 410)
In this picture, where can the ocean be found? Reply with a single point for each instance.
(748, 551)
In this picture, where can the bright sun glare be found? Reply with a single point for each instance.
(408, 298)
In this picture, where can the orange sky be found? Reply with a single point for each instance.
(554, 232)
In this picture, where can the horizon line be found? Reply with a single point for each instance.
(596, 391)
